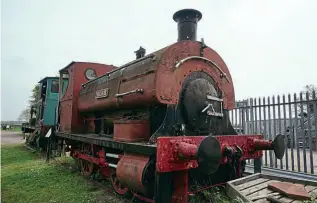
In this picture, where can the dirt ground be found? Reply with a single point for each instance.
(8, 137)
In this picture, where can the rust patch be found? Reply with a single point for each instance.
(169, 80)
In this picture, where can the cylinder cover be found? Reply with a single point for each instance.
(132, 171)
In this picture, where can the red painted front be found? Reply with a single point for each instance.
(167, 155)
(179, 154)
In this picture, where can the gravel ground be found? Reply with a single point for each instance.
(8, 137)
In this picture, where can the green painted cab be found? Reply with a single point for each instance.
(48, 102)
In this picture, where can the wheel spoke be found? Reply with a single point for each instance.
(86, 166)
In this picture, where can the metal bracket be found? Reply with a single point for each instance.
(222, 74)
(210, 108)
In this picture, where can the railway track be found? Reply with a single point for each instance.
(279, 172)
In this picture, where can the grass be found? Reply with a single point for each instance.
(26, 177)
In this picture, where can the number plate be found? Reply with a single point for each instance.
(103, 93)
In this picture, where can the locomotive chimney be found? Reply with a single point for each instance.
(187, 20)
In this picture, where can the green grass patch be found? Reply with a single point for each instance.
(15, 129)
(26, 177)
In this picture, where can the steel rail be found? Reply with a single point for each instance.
(289, 174)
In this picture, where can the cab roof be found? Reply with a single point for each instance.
(46, 78)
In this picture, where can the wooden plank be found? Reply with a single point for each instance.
(262, 201)
(245, 179)
(263, 192)
(256, 188)
(250, 188)
(286, 199)
(275, 200)
(233, 193)
(313, 193)
(262, 195)
(274, 194)
(278, 196)
(310, 188)
(251, 183)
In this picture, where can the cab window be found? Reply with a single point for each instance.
(54, 86)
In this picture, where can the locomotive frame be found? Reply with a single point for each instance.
(157, 163)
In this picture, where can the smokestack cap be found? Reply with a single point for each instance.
(186, 20)
(184, 15)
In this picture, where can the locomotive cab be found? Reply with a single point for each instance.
(44, 110)
(73, 76)
(48, 101)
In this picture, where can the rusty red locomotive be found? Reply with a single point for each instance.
(159, 124)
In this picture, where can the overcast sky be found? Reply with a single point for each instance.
(269, 46)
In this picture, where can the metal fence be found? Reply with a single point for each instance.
(294, 116)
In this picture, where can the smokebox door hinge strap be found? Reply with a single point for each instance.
(213, 64)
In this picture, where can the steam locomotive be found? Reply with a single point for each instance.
(159, 124)
(42, 113)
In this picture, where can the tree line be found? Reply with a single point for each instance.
(309, 91)
(25, 114)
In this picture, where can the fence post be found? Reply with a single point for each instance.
(278, 120)
(257, 165)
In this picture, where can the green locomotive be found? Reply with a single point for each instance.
(44, 112)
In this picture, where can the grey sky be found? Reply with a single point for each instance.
(269, 46)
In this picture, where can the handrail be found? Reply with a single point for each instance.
(222, 75)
